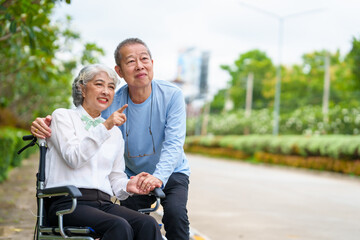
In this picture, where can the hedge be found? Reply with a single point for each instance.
(336, 153)
(10, 142)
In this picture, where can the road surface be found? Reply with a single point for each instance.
(238, 200)
(228, 200)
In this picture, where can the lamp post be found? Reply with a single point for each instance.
(281, 20)
(326, 95)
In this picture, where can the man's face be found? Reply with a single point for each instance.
(136, 66)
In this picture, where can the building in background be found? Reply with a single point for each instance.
(192, 78)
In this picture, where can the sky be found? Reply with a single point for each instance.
(226, 29)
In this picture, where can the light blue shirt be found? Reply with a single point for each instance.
(165, 111)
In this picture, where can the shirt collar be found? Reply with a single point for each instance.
(82, 112)
(80, 109)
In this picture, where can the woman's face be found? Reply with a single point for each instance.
(98, 94)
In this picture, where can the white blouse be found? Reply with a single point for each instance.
(92, 159)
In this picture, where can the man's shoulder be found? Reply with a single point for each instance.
(122, 90)
(167, 92)
(162, 84)
(120, 97)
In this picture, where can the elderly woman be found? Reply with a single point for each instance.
(84, 151)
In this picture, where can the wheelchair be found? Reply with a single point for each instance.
(42, 229)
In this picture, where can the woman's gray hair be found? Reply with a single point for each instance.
(129, 41)
(86, 75)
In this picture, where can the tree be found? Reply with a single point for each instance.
(35, 79)
(218, 103)
(258, 63)
(353, 58)
(303, 85)
(351, 90)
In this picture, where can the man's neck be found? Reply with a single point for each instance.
(139, 95)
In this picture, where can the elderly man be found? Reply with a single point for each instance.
(154, 135)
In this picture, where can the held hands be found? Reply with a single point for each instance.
(40, 127)
(118, 118)
(143, 183)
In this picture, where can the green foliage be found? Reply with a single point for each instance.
(333, 146)
(91, 53)
(6, 145)
(10, 143)
(218, 103)
(307, 120)
(301, 84)
(338, 153)
(354, 58)
(35, 76)
(258, 63)
(36, 64)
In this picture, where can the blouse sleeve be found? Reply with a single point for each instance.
(118, 177)
(75, 150)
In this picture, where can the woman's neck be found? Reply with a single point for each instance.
(93, 113)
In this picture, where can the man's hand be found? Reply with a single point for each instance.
(118, 118)
(148, 183)
(132, 184)
(143, 183)
(40, 127)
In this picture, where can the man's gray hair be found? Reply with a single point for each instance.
(87, 74)
(129, 41)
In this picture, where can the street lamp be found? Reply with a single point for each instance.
(278, 70)
(326, 95)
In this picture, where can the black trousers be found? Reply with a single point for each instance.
(175, 217)
(111, 221)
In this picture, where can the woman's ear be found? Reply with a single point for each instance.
(82, 89)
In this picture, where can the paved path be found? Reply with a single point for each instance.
(237, 200)
(228, 201)
(18, 202)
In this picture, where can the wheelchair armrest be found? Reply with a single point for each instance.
(158, 192)
(70, 190)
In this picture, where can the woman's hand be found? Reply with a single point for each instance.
(40, 127)
(118, 118)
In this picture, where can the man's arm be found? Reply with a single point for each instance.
(175, 132)
(172, 149)
(40, 127)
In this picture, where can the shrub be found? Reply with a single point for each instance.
(10, 143)
(338, 153)
(303, 121)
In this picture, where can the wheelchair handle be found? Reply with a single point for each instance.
(27, 138)
(158, 193)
